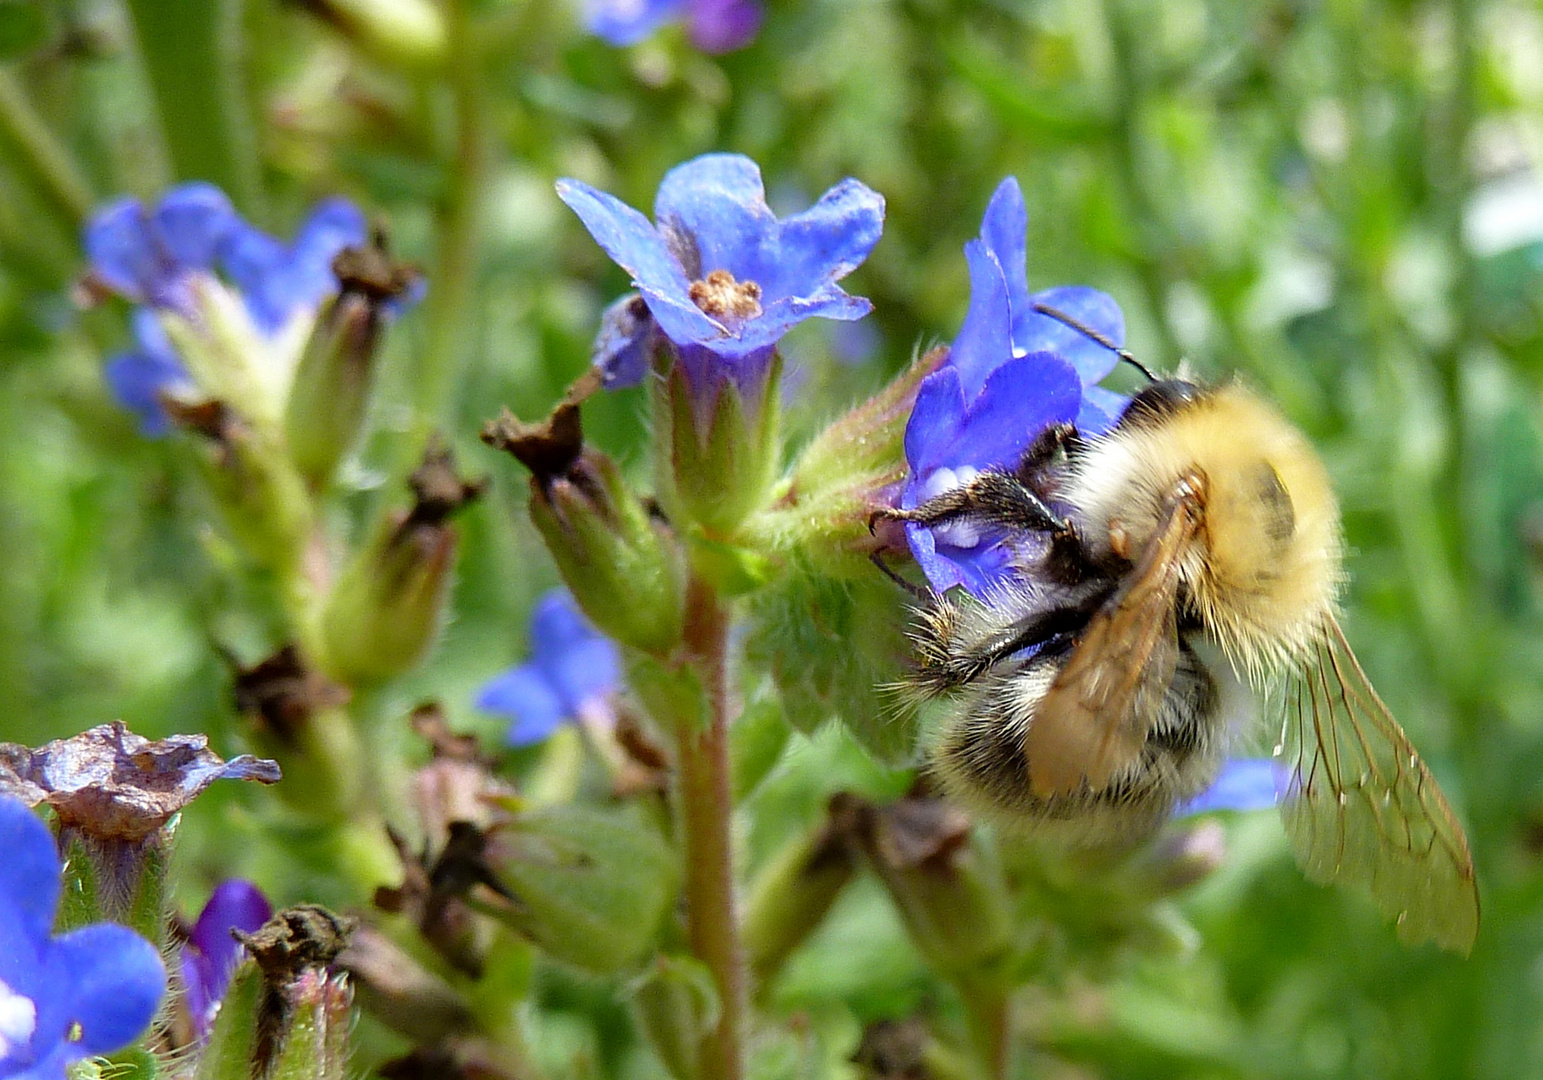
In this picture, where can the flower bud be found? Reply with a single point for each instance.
(719, 451)
(328, 399)
(117, 796)
(588, 887)
(795, 891)
(403, 33)
(619, 561)
(676, 1004)
(387, 607)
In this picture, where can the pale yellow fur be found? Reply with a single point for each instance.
(1264, 601)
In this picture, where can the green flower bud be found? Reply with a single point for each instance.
(676, 1004)
(403, 994)
(791, 896)
(402, 33)
(588, 887)
(328, 399)
(620, 562)
(386, 609)
(717, 462)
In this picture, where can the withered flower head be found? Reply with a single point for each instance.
(112, 784)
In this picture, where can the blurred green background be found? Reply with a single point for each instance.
(1339, 200)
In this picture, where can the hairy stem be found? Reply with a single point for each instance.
(706, 813)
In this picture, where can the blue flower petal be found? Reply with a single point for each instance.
(822, 245)
(138, 380)
(1101, 410)
(935, 421)
(1242, 784)
(1020, 399)
(627, 22)
(190, 223)
(624, 345)
(1033, 331)
(984, 341)
(587, 671)
(525, 694)
(306, 278)
(1004, 231)
(120, 248)
(116, 981)
(720, 26)
(713, 215)
(211, 954)
(556, 625)
(29, 885)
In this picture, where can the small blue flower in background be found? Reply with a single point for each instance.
(147, 255)
(1243, 784)
(210, 956)
(279, 280)
(1010, 373)
(88, 992)
(140, 377)
(721, 276)
(571, 673)
(714, 26)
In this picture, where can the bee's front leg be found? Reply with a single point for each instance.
(992, 498)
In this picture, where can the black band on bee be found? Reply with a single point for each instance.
(1159, 401)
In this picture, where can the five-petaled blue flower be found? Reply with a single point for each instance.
(571, 674)
(721, 277)
(1011, 373)
(210, 956)
(88, 992)
(1242, 784)
(715, 26)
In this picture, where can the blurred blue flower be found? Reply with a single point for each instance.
(211, 955)
(147, 255)
(140, 377)
(1242, 784)
(722, 277)
(62, 999)
(1010, 373)
(572, 670)
(714, 26)
(279, 280)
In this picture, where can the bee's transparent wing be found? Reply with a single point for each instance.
(1363, 809)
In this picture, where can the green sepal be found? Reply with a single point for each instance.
(675, 1003)
(828, 643)
(316, 1044)
(732, 570)
(589, 887)
(793, 893)
(672, 694)
(756, 742)
(232, 1040)
(117, 881)
(327, 402)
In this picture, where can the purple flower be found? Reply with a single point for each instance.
(88, 992)
(1242, 784)
(140, 377)
(211, 954)
(147, 255)
(1010, 373)
(715, 26)
(722, 277)
(572, 670)
(279, 280)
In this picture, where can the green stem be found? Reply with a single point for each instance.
(454, 278)
(194, 57)
(990, 1024)
(41, 158)
(707, 810)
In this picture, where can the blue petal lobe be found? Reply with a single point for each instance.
(116, 981)
(1242, 784)
(137, 380)
(588, 670)
(525, 694)
(985, 340)
(119, 246)
(624, 345)
(626, 22)
(190, 223)
(1033, 332)
(1004, 231)
(823, 244)
(713, 215)
(29, 887)
(935, 421)
(1020, 399)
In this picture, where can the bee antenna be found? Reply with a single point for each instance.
(1086, 330)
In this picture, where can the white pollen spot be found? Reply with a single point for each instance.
(959, 534)
(18, 1020)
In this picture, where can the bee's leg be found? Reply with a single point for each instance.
(994, 498)
(920, 593)
(1056, 441)
(948, 657)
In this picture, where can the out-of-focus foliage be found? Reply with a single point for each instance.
(1340, 201)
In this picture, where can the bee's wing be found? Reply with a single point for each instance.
(1362, 808)
(1093, 720)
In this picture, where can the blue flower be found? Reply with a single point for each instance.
(88, 992)
(279, 280)
(1010, 373)
(572, 670)
(139, 378)
(715, 26)
(211, 954)
(724, 279)
(1242, 784)
(148, 255)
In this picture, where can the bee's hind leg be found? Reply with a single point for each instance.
(992, 498)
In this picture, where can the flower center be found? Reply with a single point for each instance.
(18, 1020)
(719, 295)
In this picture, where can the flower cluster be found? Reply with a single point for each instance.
(714, 26)
(67, 997)
(165, 259)
(571, 675)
